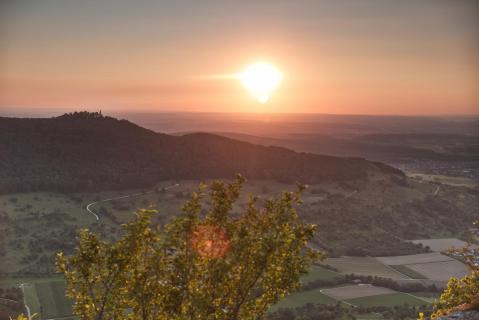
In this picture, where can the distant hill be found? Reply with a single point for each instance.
(389, 148)
(90, 152)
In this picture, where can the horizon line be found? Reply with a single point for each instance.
(63, 110)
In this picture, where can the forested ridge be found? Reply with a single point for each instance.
(84, 151)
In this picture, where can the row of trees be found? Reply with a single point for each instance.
(374, 280)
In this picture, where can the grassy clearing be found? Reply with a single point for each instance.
(387, 300)
(319, 273)
(355, 291)
(408, 271)
(364, 266)
(51, 220)
(52, 299)
(301, 298)
(429, 296)
(31, 298)
(13, 281)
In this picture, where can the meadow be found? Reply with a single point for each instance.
(388, 300)
(367, 266)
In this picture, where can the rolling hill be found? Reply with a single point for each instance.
(85, 151)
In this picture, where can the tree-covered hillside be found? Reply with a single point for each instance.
(89, 152)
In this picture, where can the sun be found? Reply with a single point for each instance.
(260, 79)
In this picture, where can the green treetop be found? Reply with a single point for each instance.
(207, 263)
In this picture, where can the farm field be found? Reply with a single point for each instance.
(52, 298)
(408, 272)
(301, 298)
(441, 245)
(356, 295)
(442, 271)
(434, 266)
(355, 291)
(388, 300)
(45, 296)
(364, 266)
(31, 298)
(414, 259)
(14, 281)
(319, 273)
(428, 296)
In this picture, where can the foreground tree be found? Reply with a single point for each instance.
(461, 294)
(208, 263)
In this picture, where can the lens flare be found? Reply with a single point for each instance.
(210, 241)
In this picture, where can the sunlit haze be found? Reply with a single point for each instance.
(340, 57)
(260, 79)
(239, 159)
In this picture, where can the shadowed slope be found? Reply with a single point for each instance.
(89, 152)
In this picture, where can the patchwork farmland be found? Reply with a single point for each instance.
(427, 269)
(46, 297)
(367, 295)
(433, 266)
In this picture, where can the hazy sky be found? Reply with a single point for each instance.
(337, 56)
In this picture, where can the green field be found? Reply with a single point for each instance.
(387, 300)
(428, 296)
(408, 271)
(315, 296)
(31, 298)
(14, 281)
(42, 223)
(301, 298)
(52, 298)
(364, 266)
(319, 273)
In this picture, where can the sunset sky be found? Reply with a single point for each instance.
(336, 56)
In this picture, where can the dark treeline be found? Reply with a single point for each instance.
(374, 280)
(11, 301)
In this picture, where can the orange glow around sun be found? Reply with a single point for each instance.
(260, 79)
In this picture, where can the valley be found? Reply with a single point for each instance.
(386, 232)
(376, 217)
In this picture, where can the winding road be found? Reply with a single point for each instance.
(89, 209)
